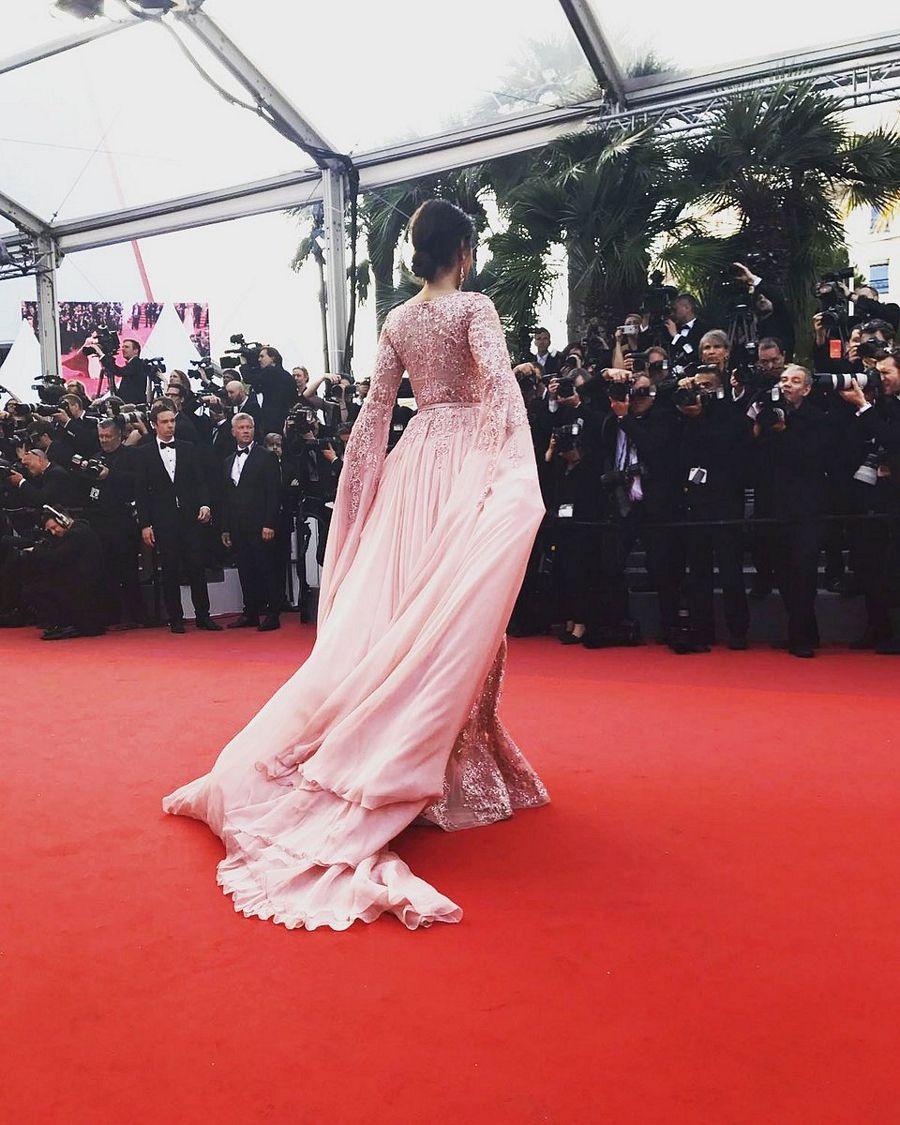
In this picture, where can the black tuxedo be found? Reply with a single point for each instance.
(82, 433)
(684, 349)
(171, 509)
(551, 364)
(249, 506)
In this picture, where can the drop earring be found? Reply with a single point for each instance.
(462, 276)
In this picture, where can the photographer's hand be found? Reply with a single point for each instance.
(203, 516)
(329, 453)
(226, 539)
(15, 479)
(268, 533)
(671, 327)
(103, 474)
(854, 396)
(743, 274)
(552, 387)
(821, 334)
(551, 449)
(148, 537)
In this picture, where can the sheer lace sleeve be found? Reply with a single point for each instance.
(503, 409)
(363, 461)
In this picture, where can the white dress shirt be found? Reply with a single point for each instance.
(240, 459)
(168, 459)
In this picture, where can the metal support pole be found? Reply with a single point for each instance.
(46, 254)
(334, 192)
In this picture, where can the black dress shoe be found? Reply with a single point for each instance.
(243, 622)
(268, 625)
(803, 651)
(571, 639)
(208, 625)
(61, 633)
(176, 626)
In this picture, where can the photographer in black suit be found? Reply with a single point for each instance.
(173, 505)
(275, 390)
(134, 375)
(876, 428)
(252, 498)
(46, 483)
(795, 438)
(110, 513)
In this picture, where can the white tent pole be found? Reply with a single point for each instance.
(334, 194)
(46, 253)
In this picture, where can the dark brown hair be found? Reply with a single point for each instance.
(438, 230)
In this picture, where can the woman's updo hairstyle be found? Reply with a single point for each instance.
(438, 229)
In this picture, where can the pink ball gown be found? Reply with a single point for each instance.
(393, 716)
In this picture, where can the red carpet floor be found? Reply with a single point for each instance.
(702, 927)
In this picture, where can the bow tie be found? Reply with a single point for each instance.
(167, 445)
(243, 450)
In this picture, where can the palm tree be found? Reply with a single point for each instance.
(312, 218)
(605, 196)
(779, 165)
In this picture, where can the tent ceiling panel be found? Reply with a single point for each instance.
(705, 37)
(126, 120)
(373, 74)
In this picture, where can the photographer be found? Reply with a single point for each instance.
(685, 331)
(626, 340)
(110, 512)
(252, 497)
(877, 428)
(46, 483)
(185, 426)
(773, 317)
(796, 439)
(714, 463)
(172, 498)
(318, 468)
(137, 381)
(275, 389)
(643, 431)
(52, 439)
(79, 430)
(62, 578)
(574, 497)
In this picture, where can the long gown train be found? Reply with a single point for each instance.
(393, 717)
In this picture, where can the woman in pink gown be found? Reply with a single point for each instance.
(393, 717)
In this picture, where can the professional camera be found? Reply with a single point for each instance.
(7, 468)
(770, 410)
(107, 343)
(90, 467)
(657, 302)
(867, 380)
(620, 478)
(129, 417)
(834, 300)
(640, 365)
(50, 388)
(694, 396)
(243, 348)
(871, 349)
(300, 419)
(157, 363)
(565, 387)
(567, 437)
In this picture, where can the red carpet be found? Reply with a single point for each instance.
(701, 928)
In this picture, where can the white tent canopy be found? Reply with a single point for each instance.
(22, 365)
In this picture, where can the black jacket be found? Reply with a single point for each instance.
(111, 499)
(656, 436)
(159, 499)
(253, 503)
(799, 457)
(685, 349)
(718, 441)
(55, 487)
(279, 394)
(133, 376)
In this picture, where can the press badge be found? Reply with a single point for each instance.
(698, 476)
(95, 493)
(687, 348)
(397, 427)
(566, 510)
